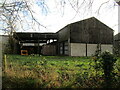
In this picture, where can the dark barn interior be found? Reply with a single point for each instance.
(33, 42)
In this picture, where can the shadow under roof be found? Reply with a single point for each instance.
(34, 36)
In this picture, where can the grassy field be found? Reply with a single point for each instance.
(53, 72)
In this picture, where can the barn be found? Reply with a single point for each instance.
(81, 38)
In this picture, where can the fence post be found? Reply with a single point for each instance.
(5, 62)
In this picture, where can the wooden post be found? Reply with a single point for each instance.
(86, 49)
(5, 62)
(38, 46)
(63, 44)
(100, 49)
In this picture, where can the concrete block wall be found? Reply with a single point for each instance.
(79, 49)
(108, 47)
(3, 42)
(1, 51)
(91, 48)
(0, 43)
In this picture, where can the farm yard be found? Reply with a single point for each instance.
(66, 59)
(44, 45)
(54, 72)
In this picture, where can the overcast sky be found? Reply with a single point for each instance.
(55, 14)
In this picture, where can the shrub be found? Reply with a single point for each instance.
(105, 63)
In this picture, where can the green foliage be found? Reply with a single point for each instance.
(105, 63)
(11, 45)
(108, 60)
(52, 72)
(98, 51)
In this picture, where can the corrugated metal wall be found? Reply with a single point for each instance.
(91, 31)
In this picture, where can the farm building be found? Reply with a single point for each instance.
(81, 38)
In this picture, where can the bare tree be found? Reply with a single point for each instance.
(13, 12)
(117, 1)
(88, 5)
(18, 11)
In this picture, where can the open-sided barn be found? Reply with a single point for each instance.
(37, 43)
(76, 39)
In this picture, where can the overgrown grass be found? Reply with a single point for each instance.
(53, 72)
